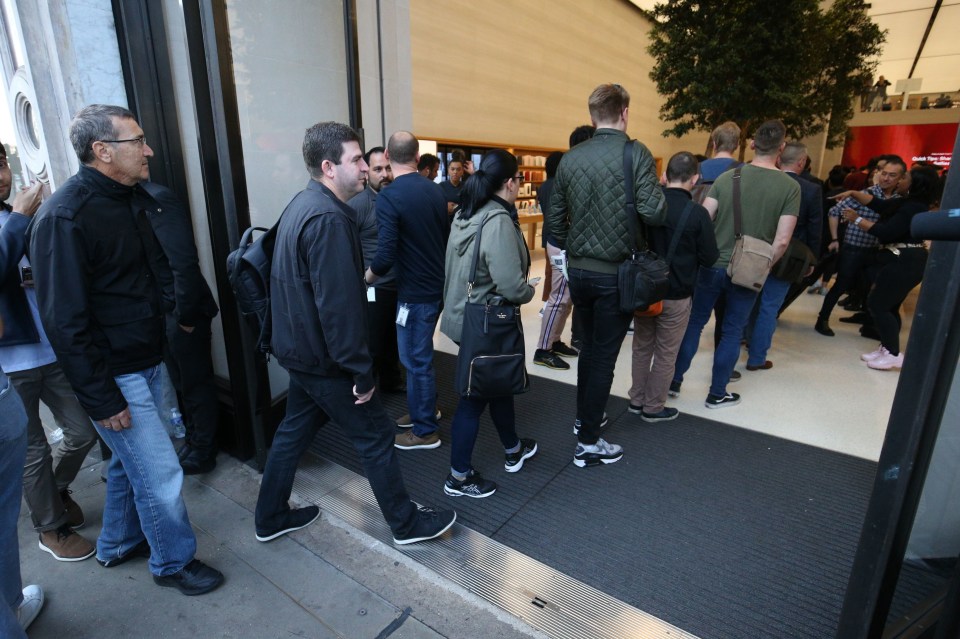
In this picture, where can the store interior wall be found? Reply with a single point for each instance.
(520, 74)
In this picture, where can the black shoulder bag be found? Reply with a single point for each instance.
(491, 361)
(643, 278)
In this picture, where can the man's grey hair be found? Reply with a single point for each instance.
(92, 123)
(792, 152)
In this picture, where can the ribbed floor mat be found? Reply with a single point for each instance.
(718, 530)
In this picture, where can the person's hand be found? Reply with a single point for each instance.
(468, 167)
(118, 422)
(364, 398)
(833, 246)
(186, 329)
(850, 215)
(810, 270)
(842, 195)
(369, 277)
(27, 200)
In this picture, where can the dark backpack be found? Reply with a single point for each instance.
(248, 270)
(700, 190)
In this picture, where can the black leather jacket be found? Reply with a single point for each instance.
(103, 285)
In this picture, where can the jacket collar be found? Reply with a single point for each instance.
(105, 185)
(678, 190)
(610, 132)
(313, 185)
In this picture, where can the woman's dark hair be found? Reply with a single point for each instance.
(496, 167)
(924, 183)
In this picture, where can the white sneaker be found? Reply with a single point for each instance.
(869, 357)
(30, 606)
(886, 362)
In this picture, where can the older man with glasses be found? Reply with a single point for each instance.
(103, 286)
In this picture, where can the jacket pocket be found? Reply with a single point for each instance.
(133, 330)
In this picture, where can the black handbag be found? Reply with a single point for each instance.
(643, 278)
(492, 361)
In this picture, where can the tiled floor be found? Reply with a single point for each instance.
(818, 391)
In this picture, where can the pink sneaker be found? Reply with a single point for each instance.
(886, 362)
(869, 357)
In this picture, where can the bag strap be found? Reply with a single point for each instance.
(737, 218)
(476, 248)
(675, 240)
(628, 184)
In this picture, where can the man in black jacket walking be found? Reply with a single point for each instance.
(188, 330)
(103, 285)
(318, 304)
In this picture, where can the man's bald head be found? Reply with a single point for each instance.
(403, 148)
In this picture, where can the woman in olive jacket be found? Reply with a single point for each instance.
(502, 269)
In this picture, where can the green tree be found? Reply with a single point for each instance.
(755, 60)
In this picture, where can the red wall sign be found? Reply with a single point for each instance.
(912, 142)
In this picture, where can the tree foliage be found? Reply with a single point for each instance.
(755, 60)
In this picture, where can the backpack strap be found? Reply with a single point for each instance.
(476, 248)
(737, 214)
(675, 240)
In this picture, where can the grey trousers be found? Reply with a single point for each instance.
(47, 472)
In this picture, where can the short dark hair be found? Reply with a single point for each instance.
(768, 137)
(553, 161)
(427, 161)
(369, 154)
(895, 159)
(324, 141)
(607, 102)
(403, 147)
(682, 166)
(92, 123)
(3, 150)
(581, 134)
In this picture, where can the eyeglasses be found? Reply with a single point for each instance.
(139, 140)
(518, 178)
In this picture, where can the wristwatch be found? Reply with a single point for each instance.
(857, 221)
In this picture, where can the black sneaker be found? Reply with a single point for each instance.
(196, 578)
(198, 462)
(549, 359)
(735, 376)
(674, 389)
(140, 550)
(636, 410)
(297, 518)
(823, 328)
(599, 453)
(473, 485)
(563, 350)
(430, 524)
(514, 461)
(664, 415)
(576, 424)
(718, 401)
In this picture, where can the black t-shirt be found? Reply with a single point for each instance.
(451, 192)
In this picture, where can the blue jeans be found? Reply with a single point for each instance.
(312, 401)
(415, 343)
(764, 319)
(597, 299)
(466, 423)
(144, 479)
(13, 452)
(711, 282)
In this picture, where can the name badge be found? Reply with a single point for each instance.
(371, 294)
(402, 314)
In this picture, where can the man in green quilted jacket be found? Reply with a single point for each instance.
(588, 218)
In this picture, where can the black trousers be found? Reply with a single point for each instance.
(897, 276)
(382, 338)
(191, 370)
(850, 267)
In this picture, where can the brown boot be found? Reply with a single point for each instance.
(66, 545)
(74, 513)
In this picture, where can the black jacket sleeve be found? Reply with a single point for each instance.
(172, 227)
(61, 278)
(896, 228)
(13, 240)
(329, 250)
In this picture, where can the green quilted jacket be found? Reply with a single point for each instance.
(586, 214)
